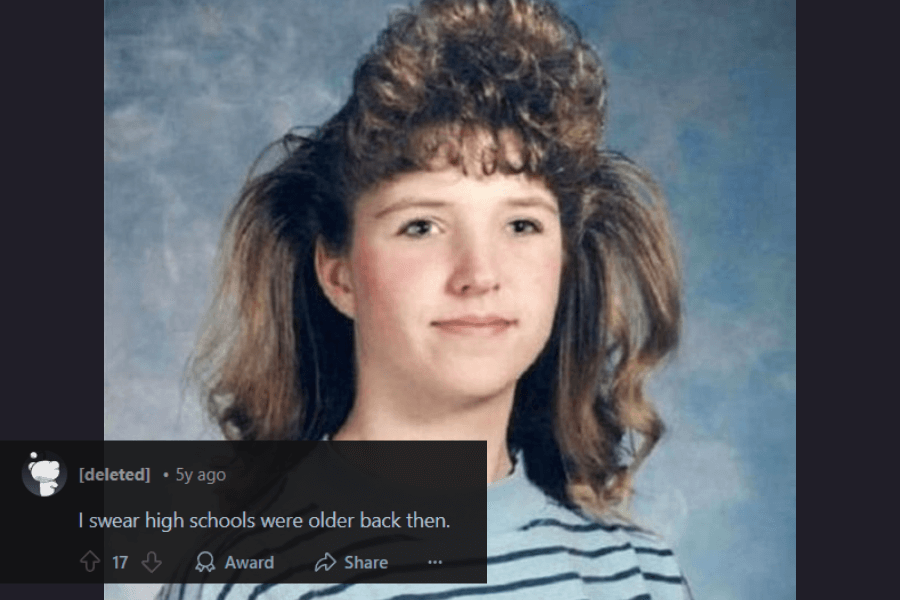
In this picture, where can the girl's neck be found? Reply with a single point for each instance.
(485, 420)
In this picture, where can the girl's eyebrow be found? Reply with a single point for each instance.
(527, 202)
(405, 203)
(532, 201)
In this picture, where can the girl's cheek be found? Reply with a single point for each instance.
(543, 263)
(384, 276)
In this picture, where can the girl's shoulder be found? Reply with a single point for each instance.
(578, 555)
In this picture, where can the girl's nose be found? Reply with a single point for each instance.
(475, 268)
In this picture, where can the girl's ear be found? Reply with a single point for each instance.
(333, 273)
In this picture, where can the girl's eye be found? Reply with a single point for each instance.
(417, 229)
(525, 226)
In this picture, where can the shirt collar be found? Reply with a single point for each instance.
(513, 491)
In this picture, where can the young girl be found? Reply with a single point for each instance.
(454, 256)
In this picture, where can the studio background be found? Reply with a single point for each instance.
(702, 92)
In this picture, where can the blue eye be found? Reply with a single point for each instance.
(417, 229)
(525, 226)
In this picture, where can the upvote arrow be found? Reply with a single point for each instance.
(150, 563)
(90, 561)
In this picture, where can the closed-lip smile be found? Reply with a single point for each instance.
(474, 324)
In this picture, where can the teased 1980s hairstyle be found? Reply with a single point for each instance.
(276, 361)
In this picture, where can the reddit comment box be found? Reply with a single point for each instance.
(250, 512)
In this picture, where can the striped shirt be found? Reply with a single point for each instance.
(536, 550)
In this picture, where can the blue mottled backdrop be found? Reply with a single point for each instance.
(702, 92)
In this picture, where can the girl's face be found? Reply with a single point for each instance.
(452, 281)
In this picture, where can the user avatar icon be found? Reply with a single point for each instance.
(44, 474)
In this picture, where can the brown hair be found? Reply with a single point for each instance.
(276, 360)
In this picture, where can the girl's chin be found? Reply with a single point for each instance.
(478, 388)
(480, 377)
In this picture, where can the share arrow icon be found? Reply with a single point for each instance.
(325, 562)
